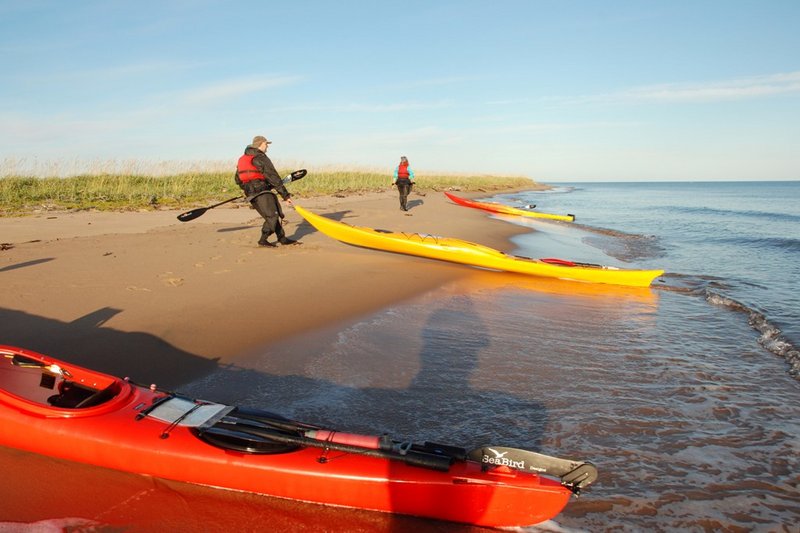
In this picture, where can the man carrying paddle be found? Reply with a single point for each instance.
(257, 177)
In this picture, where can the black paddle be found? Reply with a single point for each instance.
(200, 211)
(248, 429)
(414, 457)
(575, 475)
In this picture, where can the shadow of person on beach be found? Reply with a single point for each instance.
(85, 342)
(304, 228)
(441, 404)
(415, 203)
(237, 228)
(27, 264)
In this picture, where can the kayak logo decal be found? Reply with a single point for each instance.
(500, 459)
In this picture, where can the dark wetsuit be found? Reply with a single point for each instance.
(259, 193)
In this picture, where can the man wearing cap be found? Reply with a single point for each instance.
(257, 177)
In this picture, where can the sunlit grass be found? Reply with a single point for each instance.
(25, 194)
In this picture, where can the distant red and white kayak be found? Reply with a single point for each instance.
(58, 409)
(507, 210)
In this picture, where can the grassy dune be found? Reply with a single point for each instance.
(20, 195)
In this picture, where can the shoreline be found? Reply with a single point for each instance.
(141, 294)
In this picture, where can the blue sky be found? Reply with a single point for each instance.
(555, 90)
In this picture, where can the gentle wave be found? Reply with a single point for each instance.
(779, 243)
(628, 247)
(770, 335)
(521, 198)
(732, 213)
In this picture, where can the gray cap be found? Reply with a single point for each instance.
(258, 140)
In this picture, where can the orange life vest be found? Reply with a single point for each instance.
(402, 171)
(247, 170)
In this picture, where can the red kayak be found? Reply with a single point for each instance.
(57, 409)
(502, 209)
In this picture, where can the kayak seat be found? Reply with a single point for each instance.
(99, 397)
(244, 442)
(70, 395)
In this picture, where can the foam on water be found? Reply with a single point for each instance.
(770, 335)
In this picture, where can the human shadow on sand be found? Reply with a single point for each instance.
(33, 262)
(414, 203)
(85, 342)
(237, 228)
(441, 403)
(304, 228)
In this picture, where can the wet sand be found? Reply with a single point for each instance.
(144, 295)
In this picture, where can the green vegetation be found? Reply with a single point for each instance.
(23, 195)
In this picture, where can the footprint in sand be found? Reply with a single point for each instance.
(169, 279)
(134, 288)
(201, 264)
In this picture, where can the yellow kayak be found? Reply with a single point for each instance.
(507, 210)
(469, 253)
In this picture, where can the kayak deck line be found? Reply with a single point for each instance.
(477, 255)
(123, 427)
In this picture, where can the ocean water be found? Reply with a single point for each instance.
(736, 243)
(685, 395)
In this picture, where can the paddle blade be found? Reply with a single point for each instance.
(294, 176)
(193, 214)
(576, 475)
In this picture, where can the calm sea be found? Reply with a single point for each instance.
(685, 395)
(737, 243)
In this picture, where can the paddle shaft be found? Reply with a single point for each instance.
(223, 202)
(200, 211)
(411, 457)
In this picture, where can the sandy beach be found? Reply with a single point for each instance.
(141, 294)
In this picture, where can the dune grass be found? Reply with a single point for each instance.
(20, 195)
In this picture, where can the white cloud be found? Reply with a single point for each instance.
(435, 82)
(235, 87)
(736, 89)
(365, 108)
(701, 92)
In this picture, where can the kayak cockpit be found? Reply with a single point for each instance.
(38, 384)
